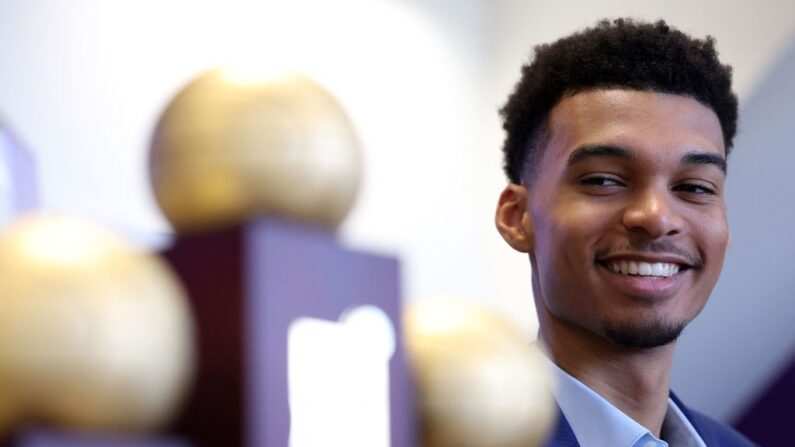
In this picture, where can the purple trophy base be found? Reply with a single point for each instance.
(54, 438)
(247, 285)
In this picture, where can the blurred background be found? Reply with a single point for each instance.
(82, 84)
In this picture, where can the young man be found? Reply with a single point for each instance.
(616, 149)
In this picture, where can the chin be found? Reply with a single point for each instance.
(644, 334)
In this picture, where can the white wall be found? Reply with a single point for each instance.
(83, 83)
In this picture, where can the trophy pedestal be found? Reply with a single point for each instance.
(248, 286)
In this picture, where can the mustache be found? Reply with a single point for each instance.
(656, 247)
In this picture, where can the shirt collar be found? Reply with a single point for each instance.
(597, 422)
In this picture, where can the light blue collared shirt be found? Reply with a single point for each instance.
(598, 423)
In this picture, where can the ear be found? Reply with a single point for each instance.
(513, 219)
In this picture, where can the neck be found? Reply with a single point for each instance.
(635, 380)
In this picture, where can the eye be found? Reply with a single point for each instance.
(695, 188)
(601, 180)
(601, 184)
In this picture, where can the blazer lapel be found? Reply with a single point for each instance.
(562, 436)
(708, 436)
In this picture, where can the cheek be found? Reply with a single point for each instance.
(564, 241)
(714, 233)
(719, 245)
(713, 241)
(567, 228)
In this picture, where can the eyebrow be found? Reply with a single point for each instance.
(600, 150)
(705, 158)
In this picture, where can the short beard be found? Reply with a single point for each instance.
(646, 334)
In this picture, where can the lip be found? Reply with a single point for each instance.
(652, 288)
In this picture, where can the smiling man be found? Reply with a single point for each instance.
(616, 149)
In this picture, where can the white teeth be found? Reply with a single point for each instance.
(660, 269)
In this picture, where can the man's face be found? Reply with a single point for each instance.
(627, 214)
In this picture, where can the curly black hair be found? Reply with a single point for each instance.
(614, 54)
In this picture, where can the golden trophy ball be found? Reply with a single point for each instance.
(480, 384)
(94, 334)
(230, 148)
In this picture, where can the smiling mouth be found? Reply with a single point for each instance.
(643, 269)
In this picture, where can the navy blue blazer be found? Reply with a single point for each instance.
(712, 432)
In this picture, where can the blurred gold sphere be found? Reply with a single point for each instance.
(229, 148)
(93, 333)
(480, 383)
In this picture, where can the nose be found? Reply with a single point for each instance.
(652, 211)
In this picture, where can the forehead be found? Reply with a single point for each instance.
(645, 122)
